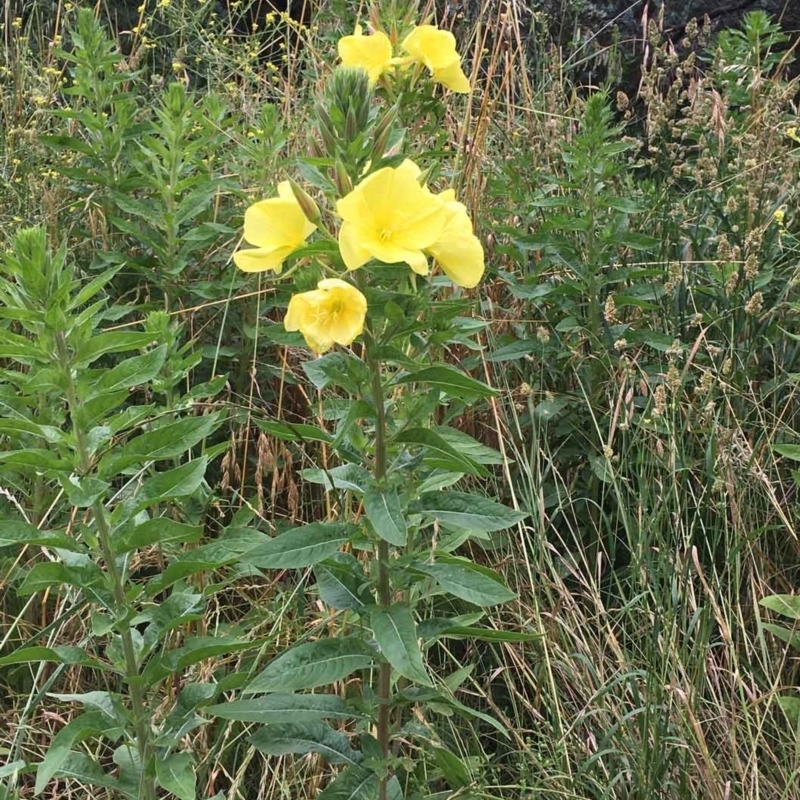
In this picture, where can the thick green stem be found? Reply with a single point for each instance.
(384, 586)
(141, 727)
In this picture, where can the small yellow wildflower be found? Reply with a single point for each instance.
(792, 133)
(391, 218)
(372, 53)
(436, 49)
(779, 216)
(277, 227)
(333, 313)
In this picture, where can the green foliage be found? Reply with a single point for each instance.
(507, 545)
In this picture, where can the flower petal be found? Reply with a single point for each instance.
(261, 259)
(277, 222)
(458, 251)
(453, 78)
(372, 53)
(354, 254)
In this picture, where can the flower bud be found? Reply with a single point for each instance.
(383, 133)
(342, 180)
(306, 202)
(326, 130)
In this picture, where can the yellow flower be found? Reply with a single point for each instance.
(391, 218)
(779, 216)
(436, 49)
(333, 313)
(792, 133)
(277, 227)
(458, 250)
(372, 53)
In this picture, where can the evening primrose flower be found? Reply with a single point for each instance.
(277, 227)
(458, 250)
(436, 49)
(333, 313)
(391, 218)
(372, 53)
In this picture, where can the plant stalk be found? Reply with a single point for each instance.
(384, 587)
(138, 710)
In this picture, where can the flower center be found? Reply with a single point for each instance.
(330, 312)
(386, 234)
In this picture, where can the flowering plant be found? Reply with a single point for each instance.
(387, 244)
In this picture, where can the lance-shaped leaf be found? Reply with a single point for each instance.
(274, 708)
(470, 511)
(449, 380)
(382, 507)
(301, 547)
(17, 531)
(477, 585)
(168, 441)
(313, 664)
(341, 582)
(305, 737)
(396, 635)
(439, 453)
(82, 727)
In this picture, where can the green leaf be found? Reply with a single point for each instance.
(162, 530)
(284, 708)
(353, 783)
(396, 635)
(454, 770)
(61, 654)
(301, 547)
(791, 451)
(14, 427)
(168, 441)
(470, 511)
(306, 666)
(468, 582)
(382, 507)
(346, 477)
(515, 351)
(176, 774)
(341, 582)
(789, 705)
(787, 605)
(305, 737)
(293, 432)
(472, 448)
(110, 705)
(791, 637)
(337, 369)
(451, 381)
(82, 727)
(181, 481)
(200, 648)
(133, 371)
(438, 453)
(18, 532)
(36, 458)
(111, 342)
(82, 491)
(85, 769)
(635, 241)
(488, 634)
(53, 573)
